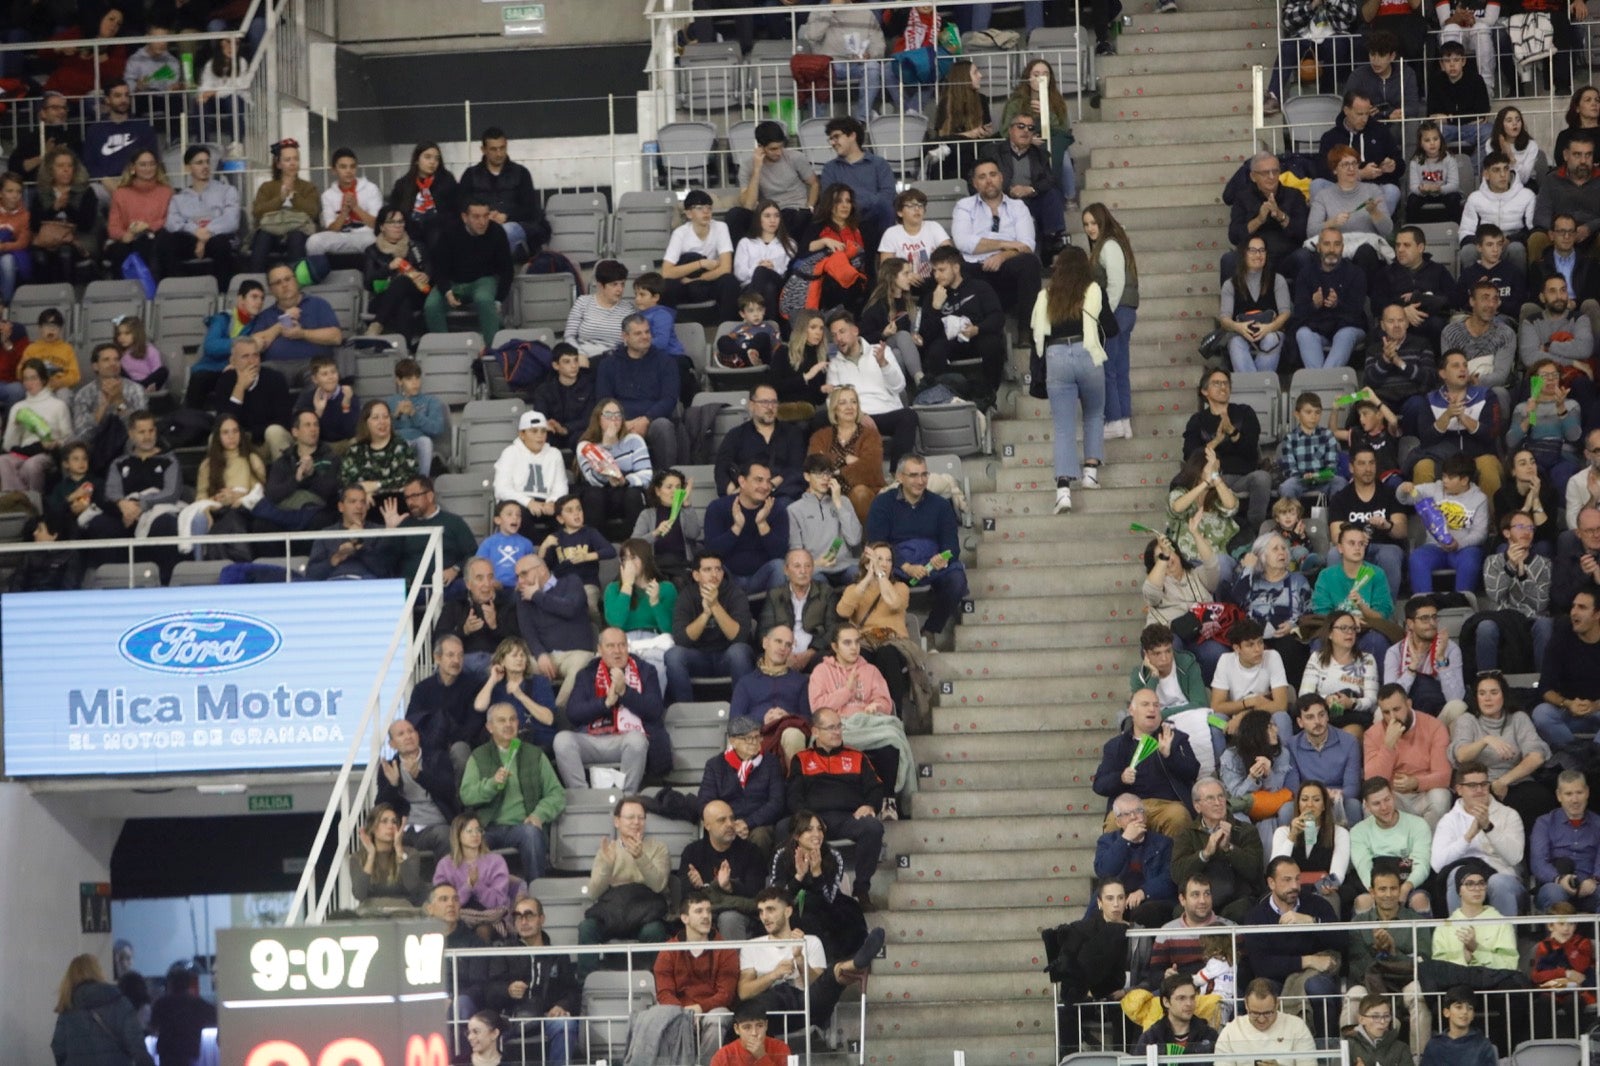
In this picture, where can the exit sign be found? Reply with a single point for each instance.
(271, 804)
(521, 19)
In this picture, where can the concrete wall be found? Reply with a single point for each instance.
(49, 849)
(426, 26)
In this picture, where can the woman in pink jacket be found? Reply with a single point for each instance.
(847, 683)
(138, 210)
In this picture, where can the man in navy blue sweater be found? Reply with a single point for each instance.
(1315, 951)
(644, 380)
(925, 533)
(750, 530)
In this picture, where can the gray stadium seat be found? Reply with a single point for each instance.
(699, 732)
(346, 300)
(1329, 383)
(197, 572)
(710, 76)
(642, 227)
(447, 360)
(1307, 118)
(899, 140)
(768, 76)
(541, 301)
(103, 302)
(577, 225)
(814, 141)
(1263, 392)
(685, 149)
(575, 836)
(692, 335)
(29, 301)
(179, 314)
(564, 900)
(122, 576)
(610, 1000)
(954, 428)
(375, 372)
(467, 495)
(705, 485)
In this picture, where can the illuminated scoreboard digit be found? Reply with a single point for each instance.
(354, 994)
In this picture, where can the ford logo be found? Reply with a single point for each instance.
(200, 642)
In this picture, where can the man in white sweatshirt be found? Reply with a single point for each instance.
(1481, 827)
(349, 207)
(1504, 201)
(532, 472)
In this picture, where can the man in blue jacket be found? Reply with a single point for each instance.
(750, 530)
(923, 528)
(1162, 776)
(1141, 859)
(645, 381)
(750, 783)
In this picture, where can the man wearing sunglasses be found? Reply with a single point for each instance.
(1025, 174)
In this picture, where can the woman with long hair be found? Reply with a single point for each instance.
(1510, 136)
(64, 217)
(513, 679)
(224, 94)
(1257, 767)
(1025, 99)
(807, 863)
(640, 602)
(426, 192)
(1066, 328)
(1230, 433)
(232, 478)
(286, 209)
(853, 444)
(800, 377)
(481, 878)
(1528, 489)
(761, 258)
(1255, 307)
(616, 471)
(1583, 113)
(835, 230)
(892, 316)
(675, 540)
(395, 270)
(1316, 841)
(1194, 491)
(95, 1023)
(1343, 675)
(384, 875)
(138, 210)
(960, 119)
(1111, 258)
(1498, 734)
(379, 458)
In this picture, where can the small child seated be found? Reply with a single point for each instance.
(1433, 182)
(335, 404)
(418, 417)
(577, 549)
(51, 348)
(1289, 515)
(1564, 959)
(141, 362)
(647, 290)
(1309, 454)
(506, 545)
(1217, 977)
(754, 342)
(1455, 512)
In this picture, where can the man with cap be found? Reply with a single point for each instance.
(698, 264)
(728, 870)
(751, 1045)
(533, 473)
(748, 782)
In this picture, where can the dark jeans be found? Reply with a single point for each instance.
(899, 432)
(685, 664)
(941, 351)
(290, 248)
(175, 254)
(867, 833)
(949, 589)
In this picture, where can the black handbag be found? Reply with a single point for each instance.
(622, 910)
(1108, 321)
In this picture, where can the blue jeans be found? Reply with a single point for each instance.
(1296, 487)
(1389, 558)
(1032, 15)
(1119, 386)
(515, 235)
(864, 79)
(16, 268)
(1468, 133)
(685, 664)
(1549, 895)
(1556, 727)
(1207, 654)
(1425, 558)
(1073, 380)
(530, 842)
(1507, 894)
(560, 1038)
(1337, 351)
(1262, 356)
(767, 575)
(1487, 640)
(949, 589)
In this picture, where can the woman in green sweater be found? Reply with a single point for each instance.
(640, 603)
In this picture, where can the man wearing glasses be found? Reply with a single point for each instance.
(1265, 208)
(1480, 828)
(1025, 175)
(1266, 1031)
(1427, 663)
(779, 446)
(536, 986)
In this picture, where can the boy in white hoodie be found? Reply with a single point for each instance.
(1506, 202)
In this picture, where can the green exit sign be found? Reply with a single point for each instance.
(519, 19)
(271, 804)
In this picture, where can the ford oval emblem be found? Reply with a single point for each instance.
(200, 642)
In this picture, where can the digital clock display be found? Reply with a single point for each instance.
(359, 993)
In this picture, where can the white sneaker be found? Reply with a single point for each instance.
(1063, 500)
(1091, 477)
(1127, 428)
(1111, 430)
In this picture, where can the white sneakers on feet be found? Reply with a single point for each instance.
(1063, 499)
(1091, 477)
(1119, 427)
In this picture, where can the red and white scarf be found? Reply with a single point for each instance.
(424, 202)
(1428, 665)
(622, 720)
(742, 766)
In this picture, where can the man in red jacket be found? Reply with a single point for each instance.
(839, 785)
(701, 980)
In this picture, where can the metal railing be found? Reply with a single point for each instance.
(635, 1000)
(1514, 1006)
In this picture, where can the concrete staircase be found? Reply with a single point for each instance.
(1002, 841)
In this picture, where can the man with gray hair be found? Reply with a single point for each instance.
(1225, 852)
(1152, 760)
(1141, 859)
(258, 396)
(1265, 208)
(1564, 850)
(1583, 488)
(924, 531)
(441, 705)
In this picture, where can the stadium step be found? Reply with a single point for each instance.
(916, 988)
(957, 958)
(1024, 637)
(1184, 44)
(989, 1050)
(1120, 127)
(995, 923)
(1138, 194)
(1033, 773)
(1260, 18)
(936, 1024)
(1016, 892)
(937, 867)
(1215, 83)
(1130, 62)
(1018, 833)
(1110, 610)
(1129, 156)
